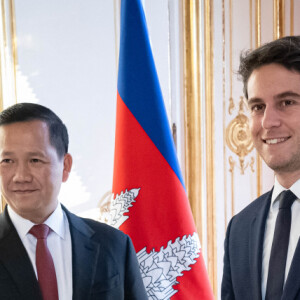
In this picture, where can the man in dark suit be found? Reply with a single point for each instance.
(262, 248)
(81, 258)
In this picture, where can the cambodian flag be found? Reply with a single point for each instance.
(150, 202)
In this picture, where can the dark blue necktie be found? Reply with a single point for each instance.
(280, 246)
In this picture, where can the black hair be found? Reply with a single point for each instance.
(24, 112)
(284, 51)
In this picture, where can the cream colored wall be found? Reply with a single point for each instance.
(239, 176)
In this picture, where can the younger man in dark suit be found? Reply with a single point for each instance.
(262, 248)
(46, 252)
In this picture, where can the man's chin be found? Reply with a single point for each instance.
(283, 166)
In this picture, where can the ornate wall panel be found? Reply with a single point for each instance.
(232, 173)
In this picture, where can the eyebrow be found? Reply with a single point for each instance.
(279, 96)
(7, 153)
(254, 100)
(40, 154)
(287, 94)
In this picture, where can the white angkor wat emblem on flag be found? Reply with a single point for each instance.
(159, 269)
(120, 205)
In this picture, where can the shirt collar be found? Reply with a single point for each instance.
(278, 188)
(56, 222)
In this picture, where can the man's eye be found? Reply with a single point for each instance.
(287, 102)
(35, 160)
(6, 161)
(257, 107)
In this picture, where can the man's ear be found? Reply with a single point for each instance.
(68, 160)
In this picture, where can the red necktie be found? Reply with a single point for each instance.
(44, 263)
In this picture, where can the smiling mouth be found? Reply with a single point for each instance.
(275, 140)
(24, 191)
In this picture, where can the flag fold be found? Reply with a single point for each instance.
(150, 202)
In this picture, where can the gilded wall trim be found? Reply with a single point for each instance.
(210, 146)
(278, 18)
(292, 17)
(238, 136)
(231, 170)
(193, 123)
(257, 44)
(231, 101)
(193, 110)
(224, 113)
(257, 23)
(251, 22)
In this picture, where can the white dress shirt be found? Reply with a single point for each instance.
(59, 244)
(270, 227)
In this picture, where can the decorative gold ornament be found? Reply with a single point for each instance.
(231, 170)
(238, 136)
(252, 164)
(231, 163)
(231, 105)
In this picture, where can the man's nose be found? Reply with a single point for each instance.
(271, 118)
(22, 173)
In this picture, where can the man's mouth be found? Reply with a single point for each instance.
(24, 191)
(275, 140)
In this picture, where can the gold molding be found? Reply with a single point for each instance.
(257, 44)
(278, 18)
(292, 17)
(231, 101)
(224, 112)
(238, 137)
(231, 170)
(193, 121)
(251, 23)
(257, 23)
(193, 110)
(210, 138)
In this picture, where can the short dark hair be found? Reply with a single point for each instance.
(284, 51)
(25, 112)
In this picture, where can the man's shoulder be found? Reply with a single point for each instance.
(104, 229)
(96, 230)
(255, 206)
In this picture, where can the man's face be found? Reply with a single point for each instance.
(31, 172)
(274, 102)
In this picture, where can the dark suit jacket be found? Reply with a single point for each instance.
(104, 263)
(243, 255)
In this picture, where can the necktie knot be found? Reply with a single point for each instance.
(286, 199)
(40, 231)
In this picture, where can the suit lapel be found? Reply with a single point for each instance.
(256, 244)
(15, 259)
(85, 254)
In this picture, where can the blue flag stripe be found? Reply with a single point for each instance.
(138, 83)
